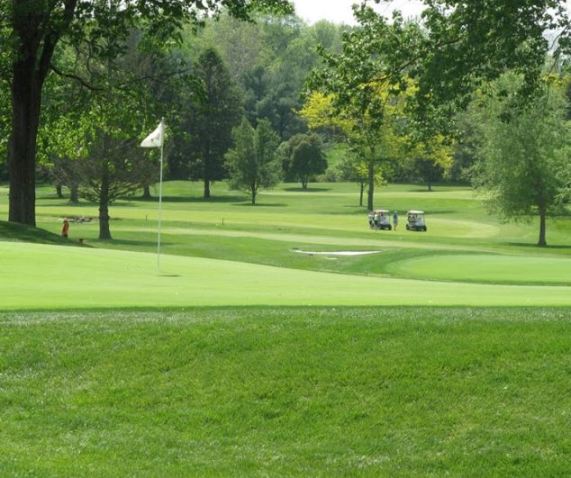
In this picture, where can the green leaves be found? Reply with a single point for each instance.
(252, 163)
(470, 42)
(523, 165)
(303, 158)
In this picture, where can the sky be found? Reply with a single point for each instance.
(339, 11)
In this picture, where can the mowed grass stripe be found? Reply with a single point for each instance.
(381, 239)
(44, 277)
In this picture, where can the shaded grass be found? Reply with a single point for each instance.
(286, 392)
(18, 232)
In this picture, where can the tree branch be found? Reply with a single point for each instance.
(84, 83)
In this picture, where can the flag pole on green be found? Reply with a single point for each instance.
(156, 140)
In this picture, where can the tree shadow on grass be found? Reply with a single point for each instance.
(192, 199)
(80, 205)
(49, 197)
(19, 232)
(420, 189)
(132, 242)
(308, 190)
(260, 205)
(533, 245)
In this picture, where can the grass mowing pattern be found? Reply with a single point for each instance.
(324, 217)
(288, 392)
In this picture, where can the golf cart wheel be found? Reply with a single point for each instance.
(424, 229)
(390, 228)
(407, 227)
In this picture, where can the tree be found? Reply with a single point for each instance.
(58, 147)
(98, 144)
(468, 43)
(111, 170)
(366, 82)
(432, 157)
(64, 172)
(217, 110)
(270, 61)
(375, 143)
(4, 121)
(429, 171)
(352, 168)
(33, 29)
(252, 163)
(304, 158)
(523, 167)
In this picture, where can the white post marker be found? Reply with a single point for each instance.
(156, 140)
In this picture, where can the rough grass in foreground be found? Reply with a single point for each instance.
(286, 392)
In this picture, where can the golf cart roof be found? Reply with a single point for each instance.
(381, 210)
(415, 212)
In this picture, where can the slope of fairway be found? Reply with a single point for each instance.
(39, 276)
(286, 392)
(486, 268)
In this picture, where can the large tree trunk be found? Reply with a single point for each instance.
(147, 192)
(26, 101)
(371, 190)
(206, 172)
(253, 189)
(74, 193)
(35, 45)
(104, 231)
(361, 192)
(542, 242)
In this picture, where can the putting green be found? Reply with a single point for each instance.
(53, 277)
(486, 268)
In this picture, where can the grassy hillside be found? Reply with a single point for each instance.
(286, 392)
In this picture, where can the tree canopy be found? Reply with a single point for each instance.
(252, 162)
(523, 167)
(33, 29)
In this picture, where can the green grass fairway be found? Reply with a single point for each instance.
(486, 268)
(286, 392)
(54, 277)
(246, 358)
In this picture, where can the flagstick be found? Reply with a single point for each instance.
(160, 202)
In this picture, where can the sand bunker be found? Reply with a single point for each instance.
(337, 253)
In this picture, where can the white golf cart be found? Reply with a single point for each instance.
(415, 221)
(380, 219)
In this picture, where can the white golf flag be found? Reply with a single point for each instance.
(156, 138)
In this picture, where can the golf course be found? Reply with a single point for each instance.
(283, 339)
(285, 238)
